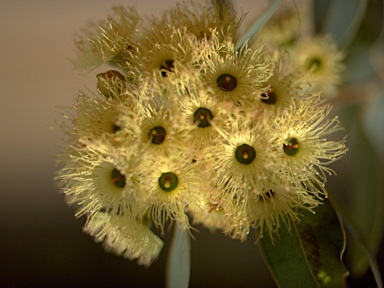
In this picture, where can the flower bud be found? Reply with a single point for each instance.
(110, 83)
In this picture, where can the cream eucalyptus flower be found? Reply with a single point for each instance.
(163, 50)
(162, 131)
(125, 237)
(168, 186)
(320, 61)
(94, 181)
(300, 139)
(103, 41)
(200, 18)
(282, 87)
(278, 203)
(242, 160)
(202, 115)
(234, 76)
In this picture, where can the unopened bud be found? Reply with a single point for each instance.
(110, 83)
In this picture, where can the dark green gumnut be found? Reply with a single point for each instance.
(245, 154)
(157, 135)
(108, 80)
(291, 146)
(202, 117)
(226, 82)
(117, 178)
(269, 97)
(168, 66)
(168, 181)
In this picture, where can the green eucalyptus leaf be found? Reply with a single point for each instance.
(360, 188)
(258, 24)
(320, 9)
(359, 63)
(343, 20)
(309, 254)
(179, 260)
(373, 121)
(358, 244)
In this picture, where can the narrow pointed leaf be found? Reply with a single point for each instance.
(373, 121)
(352, 235)
(309, 255)
(179, 260)
(343, 20)
(361, 187)
(258, 24)
(359, 64)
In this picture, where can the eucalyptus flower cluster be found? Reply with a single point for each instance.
(185, 127)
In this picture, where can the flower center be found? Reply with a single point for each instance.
(245, 154)
(166, 65)
(267, 195)
(157, 135)
(202, 117)
(226, 82)
(269, 97)
(314, 64)
(291, 146)
(168, 181)
(115, 128)
(117, 178)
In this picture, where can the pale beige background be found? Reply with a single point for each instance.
(41, 243)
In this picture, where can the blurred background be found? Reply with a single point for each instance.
(41, 242)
